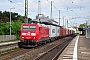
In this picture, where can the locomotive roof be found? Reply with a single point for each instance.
(40, 25)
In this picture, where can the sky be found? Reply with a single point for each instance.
(75, 11)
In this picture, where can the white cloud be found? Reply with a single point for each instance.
(45, 4)
(79, 2)
(32, 4)
(45, 7)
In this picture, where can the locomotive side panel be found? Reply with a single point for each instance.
(43, 33)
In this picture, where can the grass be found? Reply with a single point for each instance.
(9, 50)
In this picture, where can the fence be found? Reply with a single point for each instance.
(7, 37)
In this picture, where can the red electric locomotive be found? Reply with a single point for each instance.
(33, 34)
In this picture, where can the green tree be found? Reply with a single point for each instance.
(1, 29)
(5, 16)
(29, 19)
(82, 25)
(16, 19)
(0, 15)
(16, 28)
(4, 28)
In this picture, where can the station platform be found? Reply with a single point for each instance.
(8, 43)
(78, 49)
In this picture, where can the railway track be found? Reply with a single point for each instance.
(6, 46)
(54, 53)
(32, 53)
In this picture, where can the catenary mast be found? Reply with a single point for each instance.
(26, 11)
(39, 10)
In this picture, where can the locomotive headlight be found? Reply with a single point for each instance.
(22, 37)
(33, 34)
(23, 33)
(34, 37)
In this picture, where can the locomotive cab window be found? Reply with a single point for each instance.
(32, 27)
(25, 27)
(29, 27)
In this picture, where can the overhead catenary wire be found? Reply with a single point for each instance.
(66, 7)
(54, 6)
(57, 8)
(20, 6)
(48, 2)
(69, 8)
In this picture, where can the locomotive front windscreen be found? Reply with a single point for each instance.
(25, 27)
(32, 27)
(29, 27)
